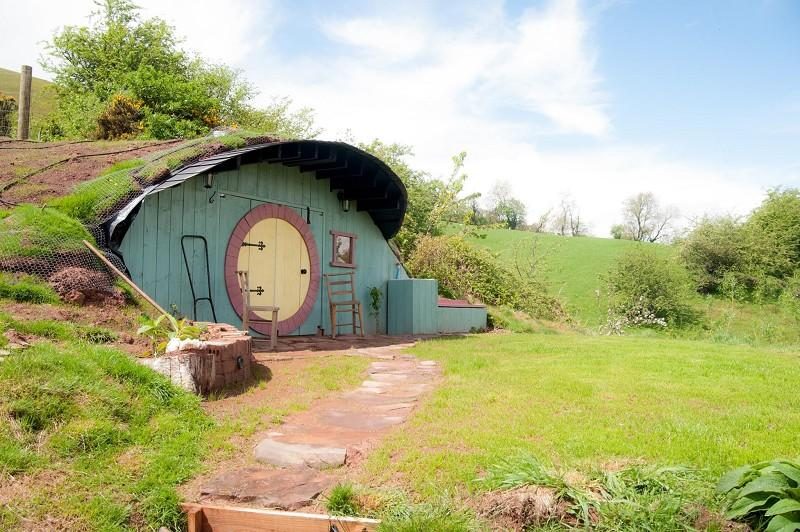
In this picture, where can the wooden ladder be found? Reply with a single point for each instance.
(342, 298)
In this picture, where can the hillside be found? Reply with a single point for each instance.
(43, 98)
(571, 266)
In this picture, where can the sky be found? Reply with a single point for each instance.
(697, 102)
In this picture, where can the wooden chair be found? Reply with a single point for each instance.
(342, 298)
(244, 284)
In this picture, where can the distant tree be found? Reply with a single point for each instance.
(431, 202)
(512, 213)
(542, 222)
(644, 220)
(618, 231)
(568, 221)
(504, 207)
(560, 223)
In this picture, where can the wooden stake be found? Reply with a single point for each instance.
(123, 277)
(24, 116)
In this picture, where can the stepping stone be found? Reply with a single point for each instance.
(361, 421)
(389, 377)
(284, 489)
(299, 454)
(393, 406)
(374, 384)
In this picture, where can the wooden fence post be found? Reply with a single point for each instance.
(24, 119)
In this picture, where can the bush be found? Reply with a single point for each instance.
(647, 289)
(121, 119)
(715, 247)
(778, 216)
(466, 272)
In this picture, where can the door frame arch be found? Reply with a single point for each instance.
(255, 215)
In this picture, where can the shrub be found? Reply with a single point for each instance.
(648, 289)
(764, 495)
(778, 216)
(714, 247)
(121, 118)
(466, 272)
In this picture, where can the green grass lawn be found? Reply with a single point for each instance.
(583, 402)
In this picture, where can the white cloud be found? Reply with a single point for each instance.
(383, 38)
(222, 32)
(493, 88)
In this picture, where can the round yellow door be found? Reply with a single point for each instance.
(276, 257)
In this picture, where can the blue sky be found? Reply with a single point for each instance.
(698, 102)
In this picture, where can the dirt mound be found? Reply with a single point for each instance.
(82, 286)
(524, 507)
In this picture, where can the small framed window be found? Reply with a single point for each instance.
(343, 254)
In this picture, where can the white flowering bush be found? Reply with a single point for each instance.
(648, 289)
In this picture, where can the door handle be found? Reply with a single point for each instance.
(303, 271)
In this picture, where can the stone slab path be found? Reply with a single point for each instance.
(301, 458)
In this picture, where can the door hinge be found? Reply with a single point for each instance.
(261, 245)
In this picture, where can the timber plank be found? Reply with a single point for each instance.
(212, 518)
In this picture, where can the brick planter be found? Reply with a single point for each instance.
(226, 360)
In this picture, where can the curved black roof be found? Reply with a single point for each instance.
(353, 173)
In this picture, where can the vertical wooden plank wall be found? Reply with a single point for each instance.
(152, 246)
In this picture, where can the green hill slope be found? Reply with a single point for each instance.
(43, 98)
(571, 266)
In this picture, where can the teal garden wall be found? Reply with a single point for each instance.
(153, 252)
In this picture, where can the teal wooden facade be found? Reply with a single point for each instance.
(152, 248)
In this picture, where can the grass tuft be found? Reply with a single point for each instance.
(26, 289)
(343, 500)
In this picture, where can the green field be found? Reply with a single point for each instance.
(571, 266)
(587, 403)
(573, 269)
(43, 98)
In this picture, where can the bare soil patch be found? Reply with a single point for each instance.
(85, 161)
(122, 320)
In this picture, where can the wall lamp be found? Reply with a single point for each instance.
(209, 180)
(344, 203)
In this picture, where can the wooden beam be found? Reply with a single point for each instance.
(123, 277)
(323, 154)
(24, 116)
(212, 518)
(304, 153)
